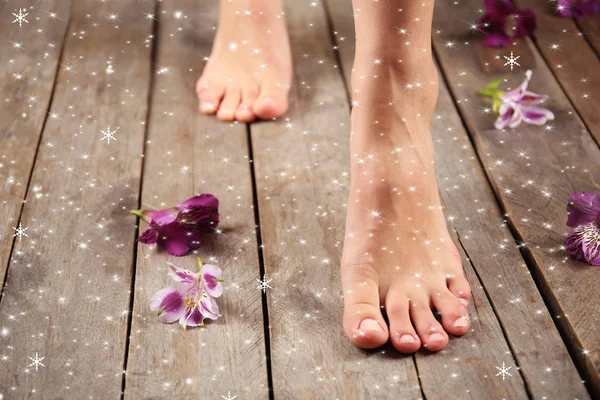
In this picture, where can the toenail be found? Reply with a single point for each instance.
(207, 107)
(369, 324)
(461, 322)
(435, 337)
(465, 302)
(406, 338)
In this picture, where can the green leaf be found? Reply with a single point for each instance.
(492, 87)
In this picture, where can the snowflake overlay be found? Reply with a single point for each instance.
(512, 61)
(503, 371)
(109, 135)
(20, 232)
(228, 397)
(264, 284)
(20, 17)
(36, 361)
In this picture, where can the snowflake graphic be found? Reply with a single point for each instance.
(109, 135)
(228, 397)
(503, 371)
(512, 61)
(36, 361)
(20, 16)
(20, 232)
(264, 284)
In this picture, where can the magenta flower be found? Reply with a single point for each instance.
(577, 8)
(193, 297)
(503, 22)
(584, 215)
(519, 105)
(179, 229)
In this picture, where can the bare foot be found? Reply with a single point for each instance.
(398, 255)
(250, 69)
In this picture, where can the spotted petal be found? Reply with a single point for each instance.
(210, 309)
(169, 303)
(182, 275)
(210, 276)
(537, 115)
(583, 208)
(192, 317)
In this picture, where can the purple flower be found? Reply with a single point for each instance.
(179, 229)
(577, 8)
(584, 215)
(192, 298)
(503, 22)
(519, 105)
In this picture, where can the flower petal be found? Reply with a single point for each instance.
(525, 23)
(182, 275)
(518, 93)
(162, 217)
(530, 98)
(174, 245)
(149, 236)
(210, 309)
(537, 115)
(210, 275)
(574, 244)
(192, 317)
(203, 200)
(169, 303)
(583, 208)
(591, 243)
(516, 118)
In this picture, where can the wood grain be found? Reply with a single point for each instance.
(533, 170)
(187, 154)
(302, 176)
(590, 28)
(572, 61)
(67, 290)
(27, 73)
(473, 215)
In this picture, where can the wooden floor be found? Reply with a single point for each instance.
(76, 289)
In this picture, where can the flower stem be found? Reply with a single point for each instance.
(139, 213)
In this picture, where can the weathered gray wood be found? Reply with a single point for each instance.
(302, 166)
(27, 72)
(572, 61)
(533, 171)
(67, 290)
(473, 213)
(187, 154)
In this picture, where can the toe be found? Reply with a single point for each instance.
(230, 104)
(272, 101)
(363, 323)
(402, 334)
(210, 97)
(432, 335)
(245, 113)
(455, 317)
(459, 287)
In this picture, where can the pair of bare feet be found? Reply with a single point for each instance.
(398, 257)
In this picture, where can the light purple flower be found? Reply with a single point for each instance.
(497, 23)
(519, 105)
(192, 298)
(179, 229)
(577, 8)
(584, 215)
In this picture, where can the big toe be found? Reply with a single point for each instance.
(363, 323)
(272, 101)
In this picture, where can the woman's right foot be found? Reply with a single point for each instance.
(249, 71)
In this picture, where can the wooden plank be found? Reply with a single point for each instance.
(590, 27)
(27, 75)
(67, 292)
(572, 61)
(187, 154)
(533, 171)
(474, 216)
(301, 167)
